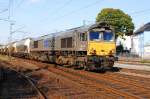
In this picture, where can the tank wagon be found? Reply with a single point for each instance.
(2, 49)
(91, 47)
(18, 48)
(21, 48)
(9, 48)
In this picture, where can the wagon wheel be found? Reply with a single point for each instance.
(86, 69)
(59, 60)
(84, 66)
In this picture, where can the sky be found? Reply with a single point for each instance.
(33, 18)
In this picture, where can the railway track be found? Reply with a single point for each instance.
(15, 85)
(123, 88)
(133, 79)
(109, 85)
(95, 84)
(117, 84)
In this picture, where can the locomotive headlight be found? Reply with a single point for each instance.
(93, 51)
(112, 51)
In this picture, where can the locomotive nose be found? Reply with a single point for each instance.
(101, 48)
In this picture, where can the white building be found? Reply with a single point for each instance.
(147, 51)
(139, 41)
(126, 42)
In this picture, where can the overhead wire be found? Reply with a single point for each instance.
(9, 9)
(141, 11)
(77, 10)
(87, 6)
(16, 7)
(58, 9)
(5, 10)
(62, 7)
(19, 4)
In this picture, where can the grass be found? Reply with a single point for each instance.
(5, 58)
(145, 61)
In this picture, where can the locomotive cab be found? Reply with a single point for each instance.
(101, 43)
(101, 47)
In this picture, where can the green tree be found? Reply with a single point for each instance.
(118, 20)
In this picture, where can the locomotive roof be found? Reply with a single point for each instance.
(81, 29)
(44, 36)
(74, 30)
(100, 25)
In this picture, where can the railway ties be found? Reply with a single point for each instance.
(103, 84)
(15, 85)
(94, 85)
(124, 84)
(115, 86)
(89, 84)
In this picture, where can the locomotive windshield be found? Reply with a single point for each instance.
(98, 36)
(108, 36)
(95, 36)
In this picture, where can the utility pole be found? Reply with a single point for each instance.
(84, 22)
(10, 39)
(10, 27)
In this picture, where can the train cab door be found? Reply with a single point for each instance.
(83, 41)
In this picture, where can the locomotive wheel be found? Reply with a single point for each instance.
(86, 68)
(88, 65)
(111, 64)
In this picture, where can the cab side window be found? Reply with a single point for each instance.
(83, 36)
(35, 44)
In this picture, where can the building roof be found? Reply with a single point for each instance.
(143, 28)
